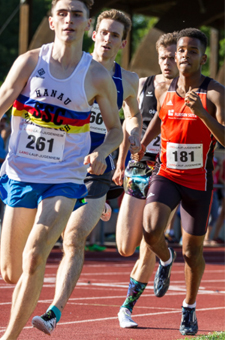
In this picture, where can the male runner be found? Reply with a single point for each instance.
(110, 35)
(52, 90)
(129, 223)
(191, 116)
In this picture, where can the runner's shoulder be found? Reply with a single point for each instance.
(98, 74)
(130, 83)
(215, 91)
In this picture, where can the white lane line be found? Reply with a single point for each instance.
(136, 315)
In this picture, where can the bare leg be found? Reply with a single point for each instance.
(144, 266)
(14, 242)
(156, 218)
(129, 230)
(45, 232)
(194, 264)
(80, 224)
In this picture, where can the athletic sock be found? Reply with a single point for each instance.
(186, 305)
(56, 311)
(135, 290)
(166, 263)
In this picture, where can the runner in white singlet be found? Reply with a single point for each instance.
(52, 90)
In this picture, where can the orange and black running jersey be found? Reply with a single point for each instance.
(187, 145)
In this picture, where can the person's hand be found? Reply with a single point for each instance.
(97, 164)
(193, 101)
(118, 175)
(135, 144)
(138, 156)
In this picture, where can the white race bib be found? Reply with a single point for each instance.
(154, 145)
(96, 121)
(41, 143)
(184, 156)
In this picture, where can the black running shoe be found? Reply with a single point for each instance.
(45, 323)
(189, 323)
(162, 277)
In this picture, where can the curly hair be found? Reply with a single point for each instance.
(194, 33)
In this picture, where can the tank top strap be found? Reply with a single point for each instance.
(203, 87)
(149, 82)
(117, 78)
(173, 85)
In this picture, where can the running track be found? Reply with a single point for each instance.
(91, 312)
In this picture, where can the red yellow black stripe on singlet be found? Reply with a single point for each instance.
(180, 125)
(51, 116)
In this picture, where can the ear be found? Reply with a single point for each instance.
(204, 59)
(94, 35)
(88, 25)
(123, 44)
(51, 24)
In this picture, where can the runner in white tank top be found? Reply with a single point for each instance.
(109, 37)
(52, 89)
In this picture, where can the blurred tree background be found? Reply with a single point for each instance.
(9, 31)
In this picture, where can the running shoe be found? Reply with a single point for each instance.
(45, 323)
(106, 214)
(162, 277)
(125, 320)
(189, 323)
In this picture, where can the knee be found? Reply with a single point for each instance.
(151, 236)
(125, 251)
(33, 260)
(9, 276)
(73, 244)
(193, 256)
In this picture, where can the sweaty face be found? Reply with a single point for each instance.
(166, 58)
(69, 20)
(190, 55)
(108, 38)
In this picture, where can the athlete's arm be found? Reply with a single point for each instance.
(124, 146)
(16, 79)
(131, 111)
(215, 121)
(120, 164)
(100, 86)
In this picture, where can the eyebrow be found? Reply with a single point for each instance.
(195, 47)
(105, 29)
(72, 11)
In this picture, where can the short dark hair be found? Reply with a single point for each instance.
(194, 33)
(119, 16)
(166, 40)
(88, 4)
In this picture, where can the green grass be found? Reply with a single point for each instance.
(213, 336)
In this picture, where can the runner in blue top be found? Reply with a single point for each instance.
(109, 36)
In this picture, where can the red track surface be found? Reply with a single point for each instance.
(91, 312)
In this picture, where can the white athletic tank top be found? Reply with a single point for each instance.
(50, 126)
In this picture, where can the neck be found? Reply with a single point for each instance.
(108, 63)
(67, 54)
(193, 81)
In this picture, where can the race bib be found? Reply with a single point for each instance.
(96, 121)
(184, 156)
(41, 143)
(154, 145)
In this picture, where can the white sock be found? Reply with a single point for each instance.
(186, 305)
(166, 263)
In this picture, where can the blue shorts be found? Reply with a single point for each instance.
(29, 195)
